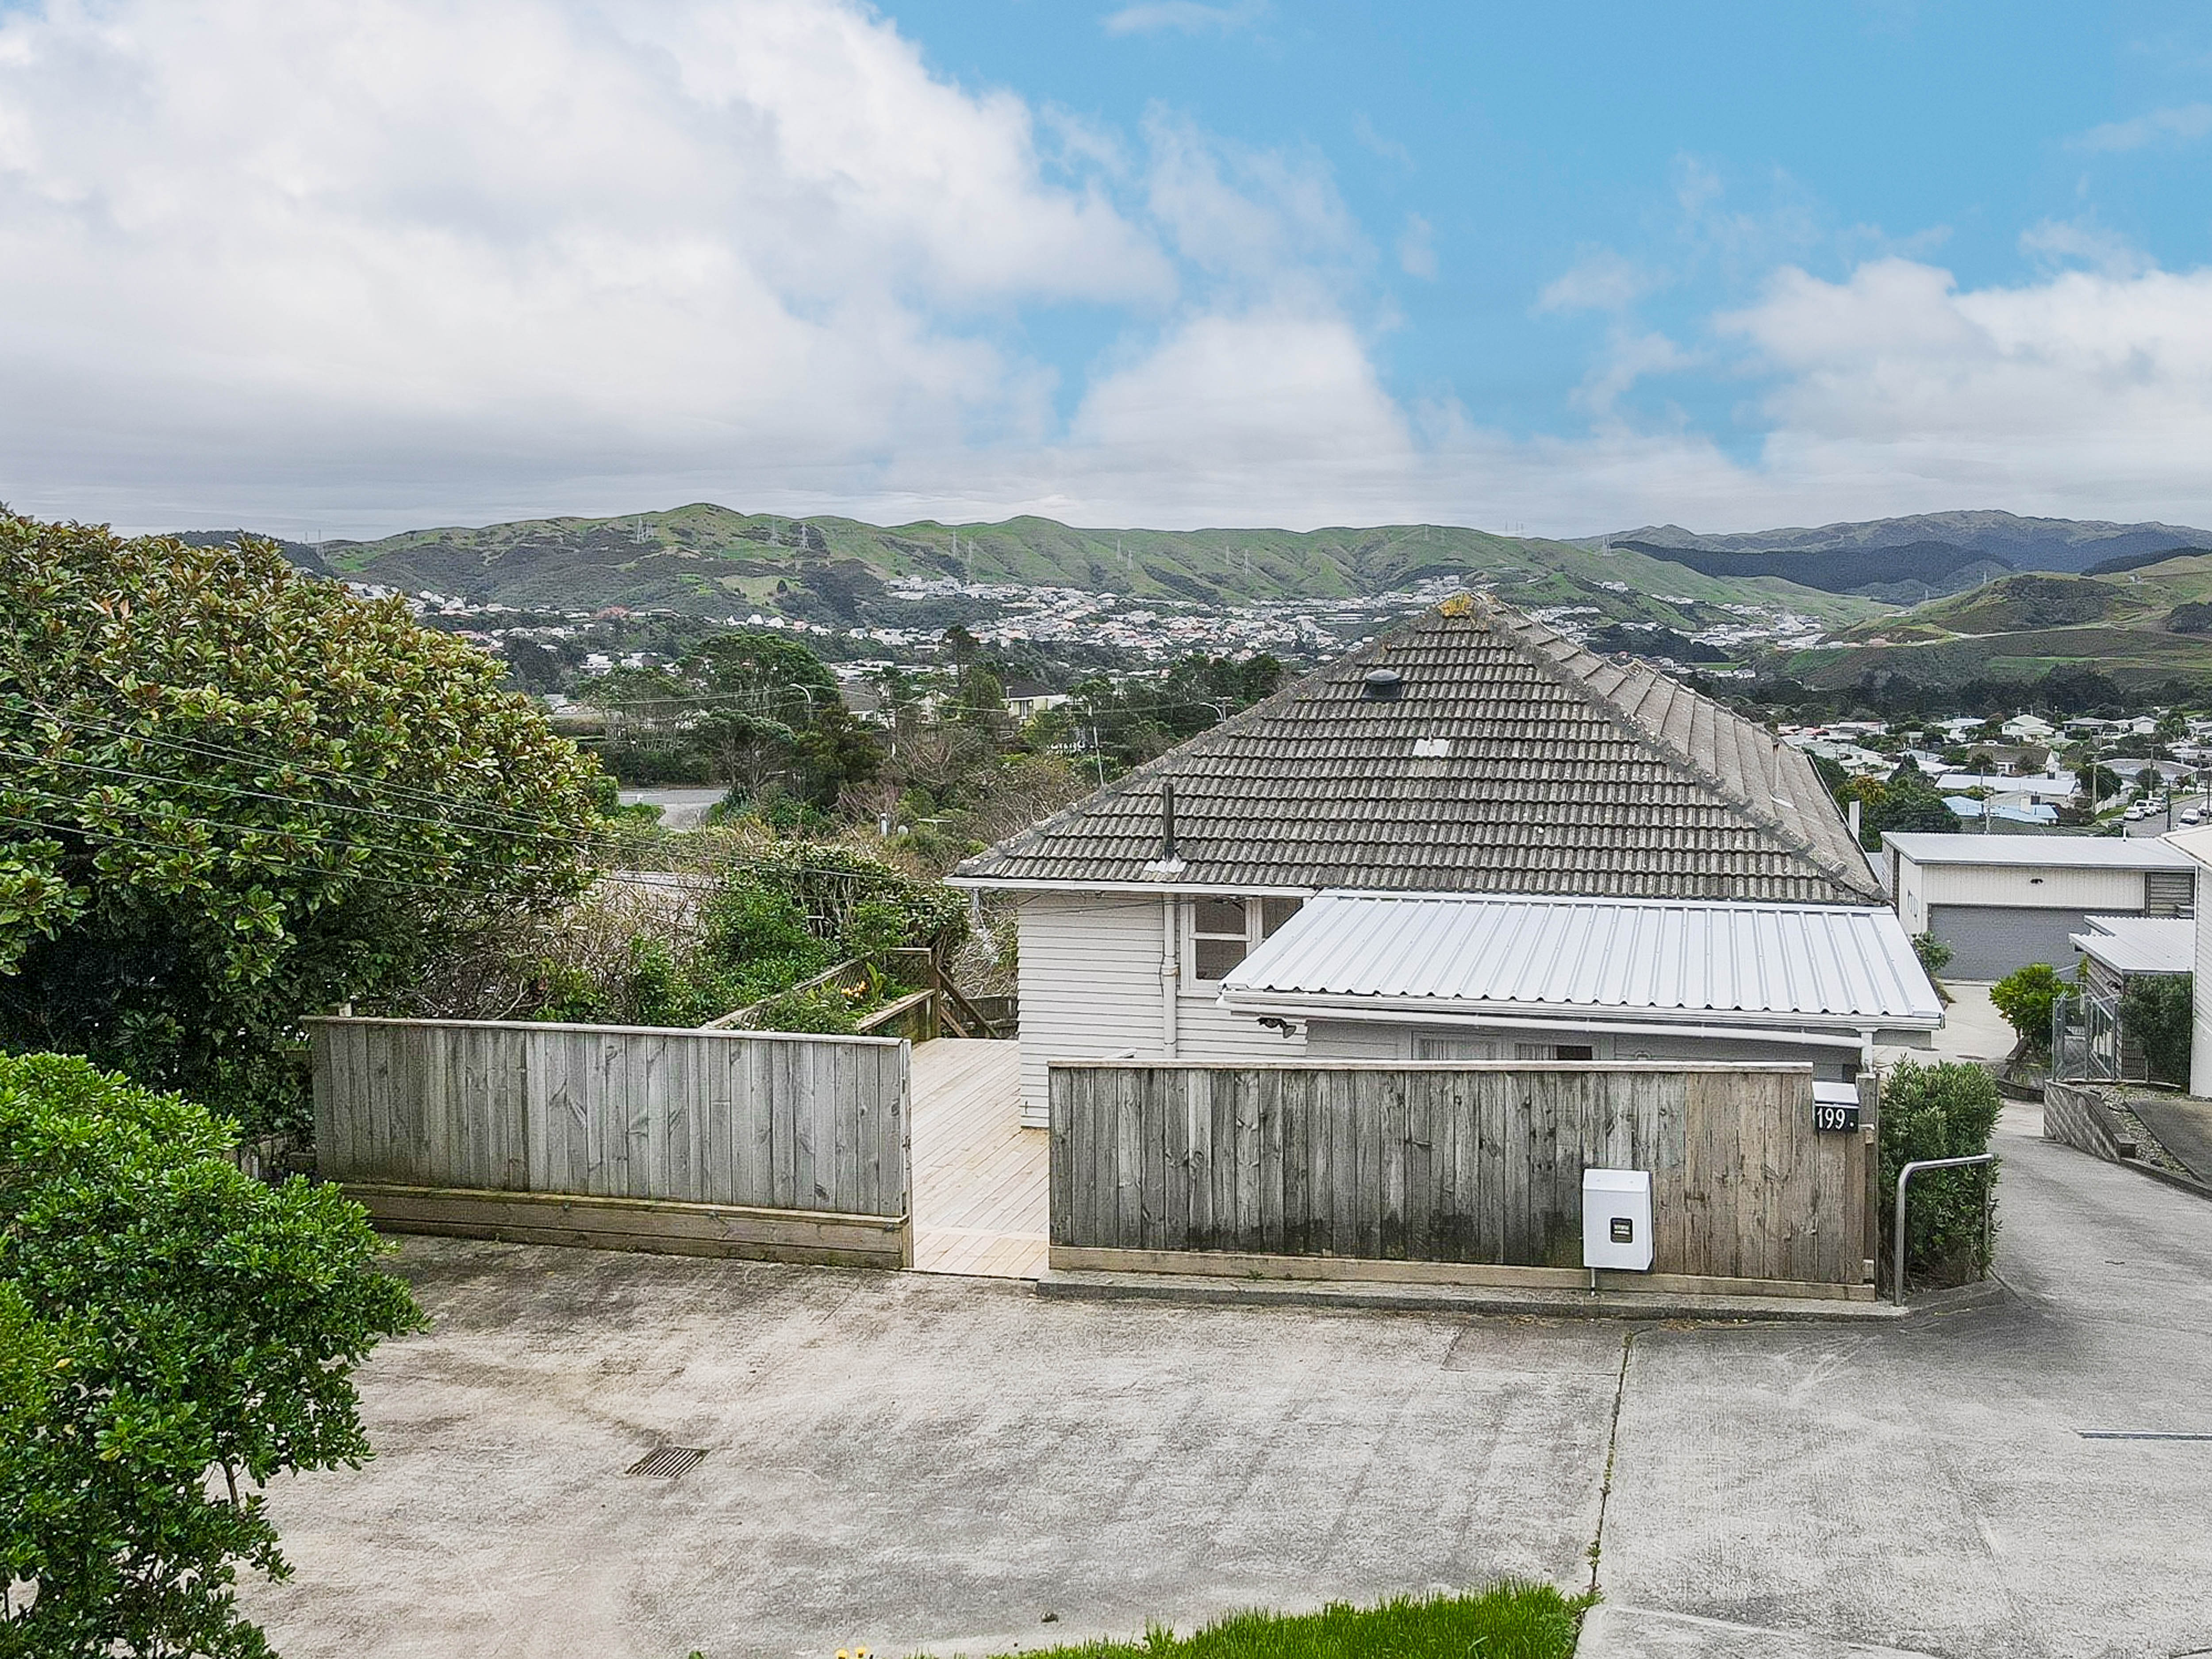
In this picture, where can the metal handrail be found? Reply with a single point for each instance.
(1914, 1168)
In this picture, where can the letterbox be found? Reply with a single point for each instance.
(1617, 1219)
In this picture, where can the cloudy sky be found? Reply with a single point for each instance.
(339, 267)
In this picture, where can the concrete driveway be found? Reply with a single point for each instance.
(1930, 1489)
(902, 1460)
(1972, 1028)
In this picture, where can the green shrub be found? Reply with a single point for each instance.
(173, 1334)
(1945, 1111)
(2156, 1011)
(776, 919)
(1935, 955)
(2026, 997)
(232, 794)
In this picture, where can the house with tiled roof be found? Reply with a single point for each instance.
(1472, 838)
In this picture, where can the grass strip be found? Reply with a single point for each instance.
(1511, 1619)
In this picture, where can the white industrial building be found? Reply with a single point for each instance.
(2001, 902)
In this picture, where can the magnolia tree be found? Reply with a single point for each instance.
(172, 1335)
(229, 793)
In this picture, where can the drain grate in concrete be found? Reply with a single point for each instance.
(2138, 1434)
(667, 1462)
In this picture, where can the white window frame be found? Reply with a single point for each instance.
(1255, 930)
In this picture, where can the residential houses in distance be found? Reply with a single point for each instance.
(2025, 774)
(1472, 838)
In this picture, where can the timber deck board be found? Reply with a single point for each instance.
(980, 1181)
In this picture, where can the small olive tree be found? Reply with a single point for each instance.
(173, 1335)
(2025, 998)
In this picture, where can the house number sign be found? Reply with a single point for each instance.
(1835, 1120)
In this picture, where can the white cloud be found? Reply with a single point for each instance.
(2183, 123)
(1390, 150)
(1417, 248)
(393, 262)
(1629, 356)
(390, 245)
(1182, 17)
(2083, 241)
(2086, 393)
(1254, 216)
(1599, 280)
(1279, 404)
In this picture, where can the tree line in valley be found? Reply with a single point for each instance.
(935, 759)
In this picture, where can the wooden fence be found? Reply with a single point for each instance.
(1453, 1173)
(734, 1142)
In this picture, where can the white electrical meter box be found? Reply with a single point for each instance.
(1617, 1219)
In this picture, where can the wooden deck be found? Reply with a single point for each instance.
(980, 1179)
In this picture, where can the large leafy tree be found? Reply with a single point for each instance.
(172, 1335)
(772, 674)
(230, 794)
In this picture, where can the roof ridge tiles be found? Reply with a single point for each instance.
(1725, 719)
(1313, 785)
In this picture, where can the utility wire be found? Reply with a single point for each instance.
(94, 807)
(307, 801)
(116, 838)
(208, 750)
(656, 880)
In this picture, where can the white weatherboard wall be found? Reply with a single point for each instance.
(1090, 983)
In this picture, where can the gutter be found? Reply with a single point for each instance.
(1209, 888)
(1850, 1031)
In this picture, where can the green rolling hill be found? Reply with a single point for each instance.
(712, 561)
(2142, 625)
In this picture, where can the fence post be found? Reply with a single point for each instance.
(1870, 1142)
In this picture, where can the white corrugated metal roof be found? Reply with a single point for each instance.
(1784, 963)
(2195, 845)
(2074, 851)
(2141, 945)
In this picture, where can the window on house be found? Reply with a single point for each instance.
(1221, 934)
(1222, 931)
(1448, 1047)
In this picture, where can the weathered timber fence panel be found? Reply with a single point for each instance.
(1476, 1162)
(621, 1125)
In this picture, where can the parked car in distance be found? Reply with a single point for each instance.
(2191, 815)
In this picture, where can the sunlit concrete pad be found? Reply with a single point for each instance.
(979, 1176)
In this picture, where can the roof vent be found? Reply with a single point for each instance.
(1382, 685)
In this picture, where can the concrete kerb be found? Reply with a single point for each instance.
(1194, 1289)
(2180, 1183)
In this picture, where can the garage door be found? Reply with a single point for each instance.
(1987, 942)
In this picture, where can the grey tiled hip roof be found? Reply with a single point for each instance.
(1560, 772)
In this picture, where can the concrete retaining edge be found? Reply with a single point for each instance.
(1196, 1290)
